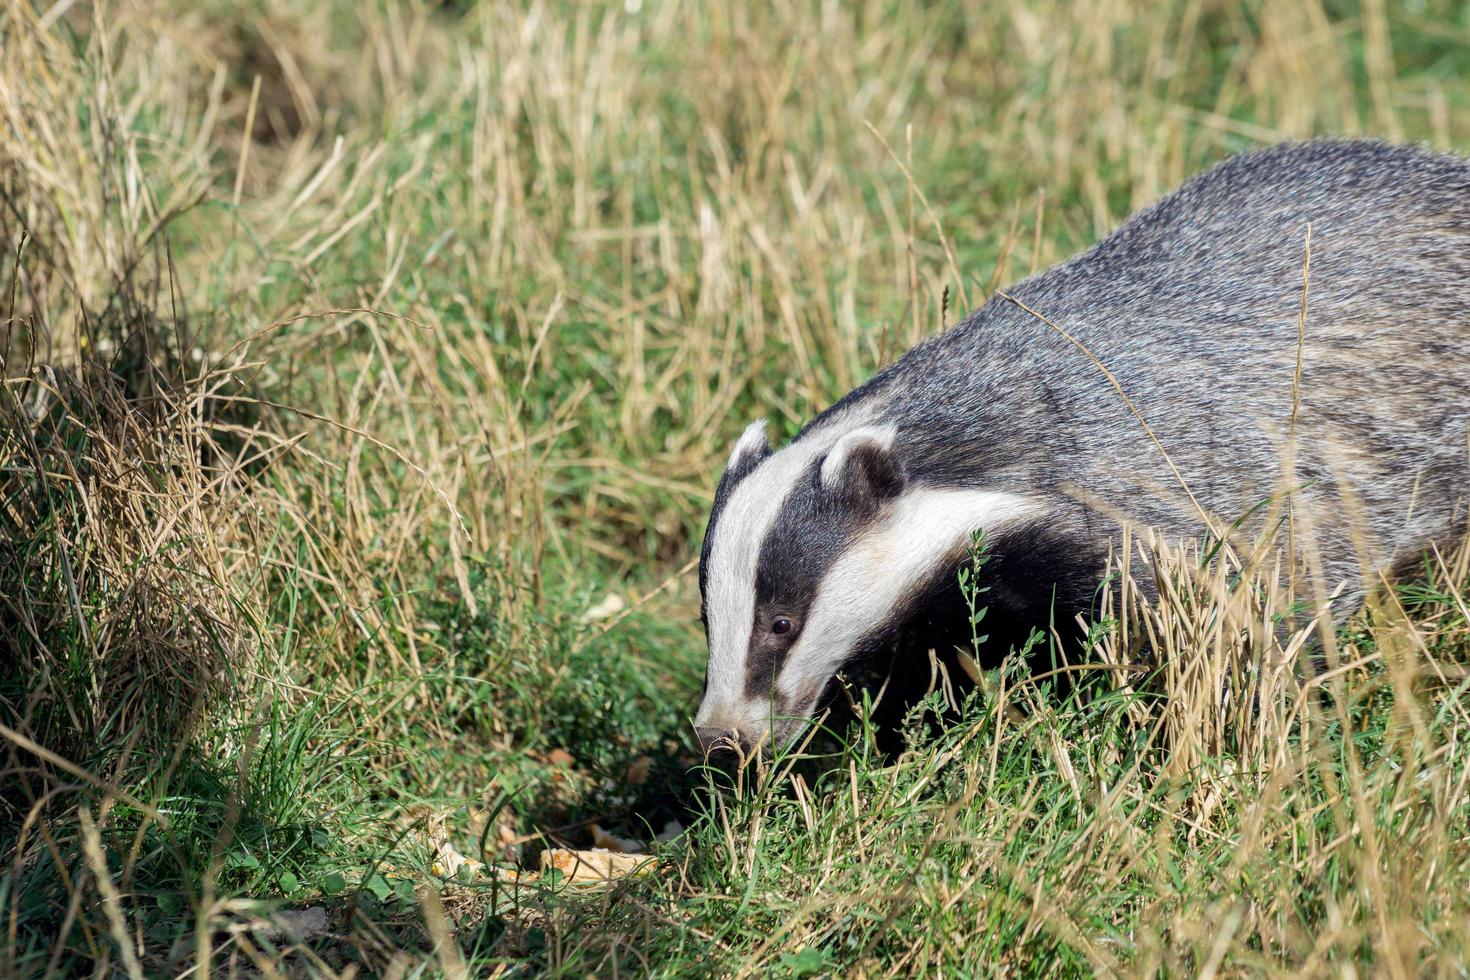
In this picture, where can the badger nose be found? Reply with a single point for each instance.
(720, 740)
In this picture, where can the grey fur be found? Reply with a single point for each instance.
(1193, 306)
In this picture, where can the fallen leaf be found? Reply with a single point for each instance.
(594, 866)
(447, 861)
(610, 606)
(297, 925)
(638, 770)
(620, 845)
(560, 757)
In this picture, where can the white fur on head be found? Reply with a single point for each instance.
(734, 554)
(752, 440)
(879, 437)
(863, 588)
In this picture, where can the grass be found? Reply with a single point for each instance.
(356, 354)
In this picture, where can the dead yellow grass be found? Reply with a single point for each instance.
(351, 352)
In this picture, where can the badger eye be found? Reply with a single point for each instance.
(780, 625)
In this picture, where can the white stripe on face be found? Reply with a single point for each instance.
(752, 440)
(862, 590)
(730, 584)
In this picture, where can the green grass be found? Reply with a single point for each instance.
(330, 411)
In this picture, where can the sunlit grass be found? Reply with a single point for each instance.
(355, 355)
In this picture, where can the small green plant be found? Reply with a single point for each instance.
(969, 577)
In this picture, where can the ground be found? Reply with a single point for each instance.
(369, 368)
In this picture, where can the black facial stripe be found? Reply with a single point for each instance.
(761, 668)
(814, 527)
(792, 707)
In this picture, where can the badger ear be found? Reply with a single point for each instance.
(752, 447)
(863, 466)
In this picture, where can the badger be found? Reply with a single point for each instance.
(1310, 300)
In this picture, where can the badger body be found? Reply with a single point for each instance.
(1156, 380)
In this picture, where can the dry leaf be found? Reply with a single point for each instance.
(560, 757)
(592, 867)
(447, 860)
(621, 845)
(297, 925)
(638, 770)
(610, 606)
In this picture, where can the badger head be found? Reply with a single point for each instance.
(813, 556)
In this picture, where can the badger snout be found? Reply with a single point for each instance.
(715, 739)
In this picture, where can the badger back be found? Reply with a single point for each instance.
(1157, 377)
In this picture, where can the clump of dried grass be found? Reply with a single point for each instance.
(1238, 667)
(119, 502)
(123, 455)
(1215, 635)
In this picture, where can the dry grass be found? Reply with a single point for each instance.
(352, 353)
